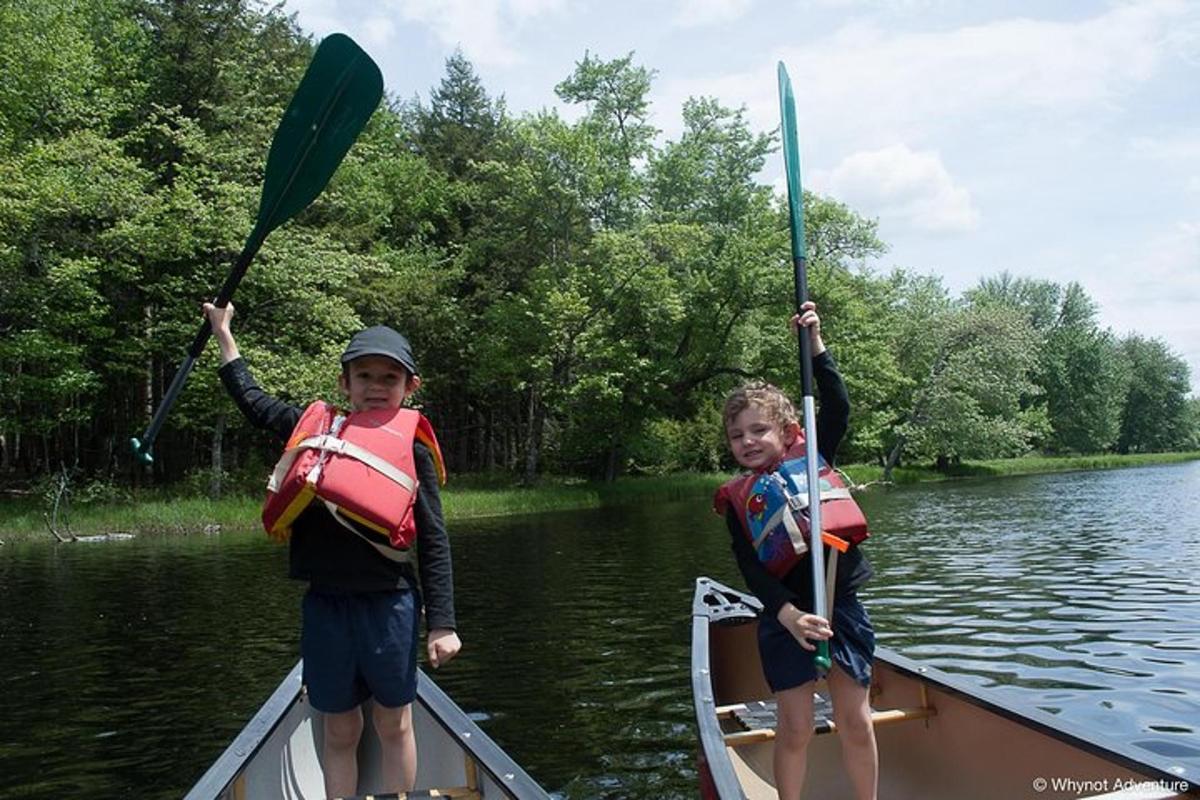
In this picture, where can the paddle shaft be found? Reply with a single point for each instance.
(791, 161)
(253, 243)
(812, 463)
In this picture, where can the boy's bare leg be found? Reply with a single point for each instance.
(394, 726)
(794, 711)
(852, 715)
(340, 753)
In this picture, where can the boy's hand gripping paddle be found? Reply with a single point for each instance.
(791, 163)
(336, 97)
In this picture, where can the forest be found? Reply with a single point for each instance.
(581, 293)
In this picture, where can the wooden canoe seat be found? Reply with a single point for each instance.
(758, 719)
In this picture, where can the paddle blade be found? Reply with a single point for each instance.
(791, 161)
(336, 97)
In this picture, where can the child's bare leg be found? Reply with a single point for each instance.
(394, 726)
(852, 715)
(340, 753)
(794, 710)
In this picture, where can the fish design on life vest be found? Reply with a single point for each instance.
(772, 509)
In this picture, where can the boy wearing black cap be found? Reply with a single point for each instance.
(360, 615)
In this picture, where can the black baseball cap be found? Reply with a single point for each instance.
(381, 340)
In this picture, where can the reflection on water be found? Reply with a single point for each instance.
(125, 668)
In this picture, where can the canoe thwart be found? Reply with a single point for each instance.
(758, 719)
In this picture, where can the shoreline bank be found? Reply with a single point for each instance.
(474, 496)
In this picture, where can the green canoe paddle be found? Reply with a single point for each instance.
(791, 163)
(336, 97)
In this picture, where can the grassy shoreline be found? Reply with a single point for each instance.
(477, 496)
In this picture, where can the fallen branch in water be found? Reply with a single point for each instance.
(63, 491)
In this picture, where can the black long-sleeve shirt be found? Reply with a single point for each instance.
(853, 569)
(332, 558)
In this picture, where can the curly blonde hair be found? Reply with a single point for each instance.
(761, 394)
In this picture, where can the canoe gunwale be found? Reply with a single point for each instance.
(487, 756)
(712, 742)
(250, 739)
(716, 604)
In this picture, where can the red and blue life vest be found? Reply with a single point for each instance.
(360, 467)
(772, 507)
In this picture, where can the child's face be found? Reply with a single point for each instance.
(756, 440)
(376, 382)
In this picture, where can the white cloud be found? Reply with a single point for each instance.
(1173, 149)
(909, 188)
(378, 31)
(697, 13)
(863, 86)
(1156, 292)
(320, 17)
(1168, 269)
(485, 29)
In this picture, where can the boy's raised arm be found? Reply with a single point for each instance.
(219, 319)
(261, 409)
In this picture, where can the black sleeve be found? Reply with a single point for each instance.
(834, 416)
(762, 584)
(260, 408)
(433, 545)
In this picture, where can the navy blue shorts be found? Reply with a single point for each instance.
(359, 645)
(787, 665)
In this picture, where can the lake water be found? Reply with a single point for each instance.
(126, 667)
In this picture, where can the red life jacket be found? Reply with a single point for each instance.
(772, 509)
(360, 466)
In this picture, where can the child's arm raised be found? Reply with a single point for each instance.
(219, 319)
(261, 409)
(834, 416)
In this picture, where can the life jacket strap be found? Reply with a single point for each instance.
(796, 502)
(329, 444)
(332, 444)
(388, 552)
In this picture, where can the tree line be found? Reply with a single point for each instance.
(580, 294)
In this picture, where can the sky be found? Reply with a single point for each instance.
(1055, 140)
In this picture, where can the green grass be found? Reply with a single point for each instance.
(1029, 465)
(468, 497)
(474, 496)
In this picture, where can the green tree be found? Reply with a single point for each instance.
(1037, 300)
(67, 65)
(1084, 376)
(616, 96)
(707, 177)
(969, 406)
(1154, 417)
(462, 121)
(1192, 424)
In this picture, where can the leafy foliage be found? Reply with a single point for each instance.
(581, 294)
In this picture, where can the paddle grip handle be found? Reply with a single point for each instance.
(822, 658)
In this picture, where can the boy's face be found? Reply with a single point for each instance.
(756, 440)
(376, 382)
